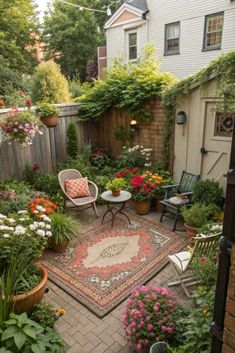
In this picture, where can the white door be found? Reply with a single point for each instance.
(216, 147)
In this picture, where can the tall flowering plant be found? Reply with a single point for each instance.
(20, 125)
(150, 316)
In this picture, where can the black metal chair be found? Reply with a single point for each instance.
(172, 205)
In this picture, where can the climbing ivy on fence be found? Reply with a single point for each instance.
(224, 69)
(127, 86)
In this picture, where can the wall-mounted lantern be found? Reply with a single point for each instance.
(134, 125)
(181, 118)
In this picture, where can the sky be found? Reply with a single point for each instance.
(42, 6)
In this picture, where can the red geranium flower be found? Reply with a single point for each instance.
(118, 175)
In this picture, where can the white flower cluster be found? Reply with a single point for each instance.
(144, 152)
(11, 227)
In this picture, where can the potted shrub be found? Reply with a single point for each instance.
(63, 229)
(116, 185)
(150, 316)
(197, 216)
(48, 113)
(208, 192)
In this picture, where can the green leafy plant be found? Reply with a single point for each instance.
(199, 214)
(116, 184)
(46, 109)
(126, 86)
(72, 141)
(63, 228)
(49, 85)
(123, 134)
(21, 334)
(46, 315)
(207, 192)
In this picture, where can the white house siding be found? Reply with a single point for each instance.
(191, 14)
(117, 40)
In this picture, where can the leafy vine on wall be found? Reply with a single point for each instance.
(126, 86)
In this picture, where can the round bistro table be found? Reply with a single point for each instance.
(113, 200)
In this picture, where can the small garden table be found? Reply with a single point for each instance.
(112, 200)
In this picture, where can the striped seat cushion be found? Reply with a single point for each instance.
(77, 187)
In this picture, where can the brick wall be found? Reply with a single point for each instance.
(229, 323)
(149, 135)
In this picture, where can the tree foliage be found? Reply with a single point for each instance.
(18, 23)
(128, 86)
(10, 79)
(49, 85)
(71, 36)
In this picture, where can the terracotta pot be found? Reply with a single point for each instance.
(50, 121)
(58, 247)
(25, 302)
(142, 207)
(191, 231)
(116, 192)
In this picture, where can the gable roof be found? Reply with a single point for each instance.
(136, 7)
(140, 4)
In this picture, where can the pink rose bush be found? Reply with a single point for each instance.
(150, 316)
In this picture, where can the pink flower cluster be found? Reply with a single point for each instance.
(149, 316)
(20, 126)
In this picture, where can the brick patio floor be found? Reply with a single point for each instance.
(83, 331)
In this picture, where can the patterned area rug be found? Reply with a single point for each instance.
(102, 269)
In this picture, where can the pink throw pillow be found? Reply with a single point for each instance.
(77, 187)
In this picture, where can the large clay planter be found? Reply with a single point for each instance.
(142, 207)
(191, 231)
(25, 302)
(59, 247)
(50, 121)
(116, 192)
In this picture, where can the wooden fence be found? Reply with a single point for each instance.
(150, 135)
(48, 149)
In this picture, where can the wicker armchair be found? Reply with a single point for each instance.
(81, 203)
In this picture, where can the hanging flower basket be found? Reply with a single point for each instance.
(48, 114)
(20, 126)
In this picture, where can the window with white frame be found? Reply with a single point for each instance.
(132, 45)
(213, 31)
(172, 38)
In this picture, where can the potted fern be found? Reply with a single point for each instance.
(48, 114)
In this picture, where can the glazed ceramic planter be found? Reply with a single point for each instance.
(25, 302)
(142, 207)
(191, 231)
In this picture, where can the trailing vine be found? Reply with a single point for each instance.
(126, 86)
(224, 69)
